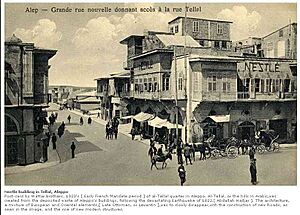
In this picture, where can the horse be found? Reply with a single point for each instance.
(162, 159)
(204, 148)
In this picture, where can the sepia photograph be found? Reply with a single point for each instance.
(149, 94)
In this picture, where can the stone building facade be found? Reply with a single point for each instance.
(26, 97)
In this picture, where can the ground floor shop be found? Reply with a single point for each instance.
(25, 141)
(243, 119)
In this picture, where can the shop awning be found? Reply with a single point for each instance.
(218, 118)
(141, 117)
(170, 125)
(127, 117)
(157, 122)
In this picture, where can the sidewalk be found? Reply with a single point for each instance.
(53, 159)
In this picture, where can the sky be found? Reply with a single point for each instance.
(88, 42)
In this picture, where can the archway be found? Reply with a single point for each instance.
(246, 130)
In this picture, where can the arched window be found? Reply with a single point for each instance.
(10, 125)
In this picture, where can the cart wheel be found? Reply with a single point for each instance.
(223, 153)
(274, 147)
(214, 154)
(232, 152)
(261, 149)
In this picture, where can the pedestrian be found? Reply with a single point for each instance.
(107, 131)
(98, 115)
(116, 132)
(179, 153)
(182, 174)
(253, 171)
(252, 152)
(187, 154)
(54, 139)
(48, 135)
(69, 119)
(81, 121)
(132, 132)
(73, 147)
(89, 120)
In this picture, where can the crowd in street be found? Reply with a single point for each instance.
(167, 145)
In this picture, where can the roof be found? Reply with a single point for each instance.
(89, 93)
(154, 51)
(175, 40)
(213, 20)
(195, 58)
(89, 99)
(294, 23)
(124, 41)
(115, 75)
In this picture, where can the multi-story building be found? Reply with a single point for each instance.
(114, 92)
(239, 95)
(26, 97)
(281, 43)
(218, 91)
(207, 32)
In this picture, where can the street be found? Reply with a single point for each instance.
(99, 161)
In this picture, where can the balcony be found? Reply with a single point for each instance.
(41, 99)
(219, 96)
(162, 95)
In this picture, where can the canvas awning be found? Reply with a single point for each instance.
(157, 122)
(127, 117)
(170, 125)
(141, 117)
(218, 118)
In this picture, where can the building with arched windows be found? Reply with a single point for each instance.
(26, 97)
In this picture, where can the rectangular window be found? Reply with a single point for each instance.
(212, 83)
(201, 42)
(281, 33)
(225, 84)
(277, 85)
(224, 44)
(257, 84)
(286, 85)
(180, 83)
(262, 85)
(195, 26)
(166, 83)
(217, 44)
(150, 85)
(219, 28)
(176, 29)
(172, 30)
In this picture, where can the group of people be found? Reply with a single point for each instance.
(112, 129)
(52, 118)
(89, 121)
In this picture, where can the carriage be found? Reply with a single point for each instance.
(268, 141)
(215, 148)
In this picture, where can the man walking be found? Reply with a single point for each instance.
(181, 173)
(187, 154)
(73, 147)
(81, 121)
(253, 171)
(69, 119)
(54, 139)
